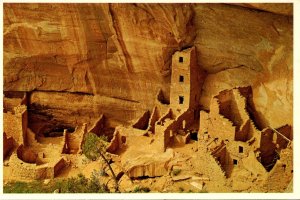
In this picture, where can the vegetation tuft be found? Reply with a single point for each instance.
(139, 189)
(79, 184)
(175, 172)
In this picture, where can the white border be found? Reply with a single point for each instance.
(296, 89)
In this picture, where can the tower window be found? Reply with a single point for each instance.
(181, 59)
(181, 99)
(181, 78)
(235, 162)
(241, 149)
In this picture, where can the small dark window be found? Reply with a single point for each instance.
(235, 162)
(181, 78)
(241, 149)
(181, 99)
(181, 59)
(284, 166)
(123, 139)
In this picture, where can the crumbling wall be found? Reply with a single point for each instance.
(239, 149)
(215, 170)
(15, 125)
(26, 154)
(167, 116)
(117, 142)
(97, 126)
(58, 166)
(153, 119)
(10, 103)
(203, 124)
(31, 137)
(161, 99)
(168, 126)
(242, 134)
(82, 137)
(218, 125)
(286, 131)
(142, 122)
(24, 99)
(74, 140)
(21, 169)
(31, 171)
(114, 144)
(267, 147)
(8, 145)
(224, 99)
(253, 165)
(186, 118)
(239, 112)
(282, 173)
(223, 159)
(254, 135)
(63, 143)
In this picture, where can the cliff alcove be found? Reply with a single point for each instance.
(173, 87)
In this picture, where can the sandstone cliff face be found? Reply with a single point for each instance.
(115, 57)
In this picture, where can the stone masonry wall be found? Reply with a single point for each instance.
(15, 125)
(219, 126)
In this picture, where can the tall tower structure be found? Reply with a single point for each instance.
(186, 80)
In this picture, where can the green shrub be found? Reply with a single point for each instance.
(79, 184)
(90, 146)
(175, 172)
(93, 145)
(181, 189)
(139, 189)
(203, 191)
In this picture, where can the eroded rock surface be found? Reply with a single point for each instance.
(122, 53)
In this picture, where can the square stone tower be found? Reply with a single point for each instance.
(186, 80)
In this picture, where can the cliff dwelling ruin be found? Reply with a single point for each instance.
(189, 119)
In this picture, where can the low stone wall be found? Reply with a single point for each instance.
(26, 154)
(32, 171)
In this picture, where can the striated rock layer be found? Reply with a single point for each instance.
(81, 60)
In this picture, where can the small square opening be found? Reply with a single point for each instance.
(181, 99)
(181, 78)
(235, 162)
(241, 149)
(181, 59)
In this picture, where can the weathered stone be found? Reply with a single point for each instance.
(180, 177)
(125, 184)
(247, 48)
(151, 165)
(56, 191)
(197, 185)
(203, 178)
(116, 169)
(240, 186)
